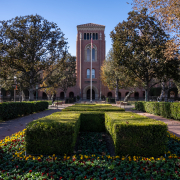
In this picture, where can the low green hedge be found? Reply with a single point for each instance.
(96, 107)
(54, 134)
(132, 134)
(136, 135)
(165, 109)
(14, 109)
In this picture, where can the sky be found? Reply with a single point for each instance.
(67, 14)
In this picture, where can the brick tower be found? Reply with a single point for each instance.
(83, 59)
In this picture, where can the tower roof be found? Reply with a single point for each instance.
(90, 25)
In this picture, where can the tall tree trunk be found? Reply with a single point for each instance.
(23, 96)
(117, 90)
(128, 96)
(31, 94)
(164, 92)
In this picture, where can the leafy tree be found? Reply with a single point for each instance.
(115, 77)
(167, 12)
(63, 77)
(29, 45)
(140, 43)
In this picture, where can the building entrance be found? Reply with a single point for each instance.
(88, 94)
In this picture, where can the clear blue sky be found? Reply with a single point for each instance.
(67, 14)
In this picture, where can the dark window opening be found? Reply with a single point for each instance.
(96, 36)
(109, 94)
(87, 36)
(84, 36)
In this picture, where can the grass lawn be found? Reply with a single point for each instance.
(91, 161)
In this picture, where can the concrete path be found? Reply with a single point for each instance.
(7, 128)
(173, 125)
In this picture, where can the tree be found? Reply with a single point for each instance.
(29, 45)
(115, 76)
(63, 77)
(167, 12)
(141, 43)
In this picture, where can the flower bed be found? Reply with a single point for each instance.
(15, 164)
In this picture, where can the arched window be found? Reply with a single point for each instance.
(93, 73)
(88, 73)
(93, 54)
(71, 94)
(88, 55)
(94, 36)
(109, 94)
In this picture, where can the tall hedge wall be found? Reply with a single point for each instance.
(165, 109)
(14, 109)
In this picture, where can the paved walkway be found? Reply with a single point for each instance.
(7, 128)
(173, 125)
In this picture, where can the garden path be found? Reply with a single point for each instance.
(173, 125)
(7, 128)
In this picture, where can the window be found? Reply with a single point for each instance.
(88, 73)
(84, 36)
(93, 54)
(87, 36)
(96, 36)
(88, 55)
(93, 73)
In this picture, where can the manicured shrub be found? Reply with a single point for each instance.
(54, 134)
(165, 109)
(14, 109)
(136, 135)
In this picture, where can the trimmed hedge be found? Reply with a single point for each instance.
(132, 134)
(53, 134)
(96, 107)
(165, 109)
(136, 135)
(14, 109)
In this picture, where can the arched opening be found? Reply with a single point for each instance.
(136, 95)
(119, 95)
(71, 95)
(88, 94)
(88, 55)
(109, 95)
(88, 73)
(126, 93)
(44, 95)
(143, 94)
(62, 95)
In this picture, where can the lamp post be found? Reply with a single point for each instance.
(15, 83)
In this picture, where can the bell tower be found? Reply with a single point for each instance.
(83, 59)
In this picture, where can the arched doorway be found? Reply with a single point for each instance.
(136, 95)
(109, 95)
(88, 94)
(62, 95)
(119, 95)
(44, 95)
(71, 95)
